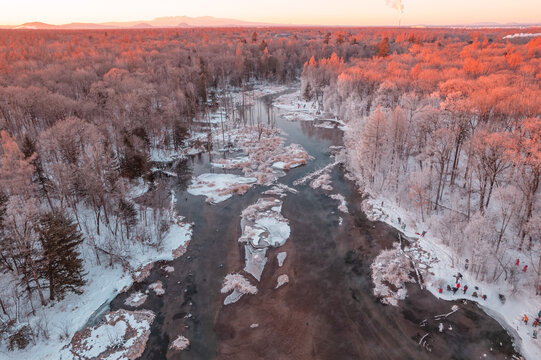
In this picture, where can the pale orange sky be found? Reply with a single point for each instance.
(323, 12)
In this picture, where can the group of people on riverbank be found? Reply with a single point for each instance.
(456, 287)
(535, 323)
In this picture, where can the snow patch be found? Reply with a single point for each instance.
(521, 35)
(390, 272)
(322, 181)
(219, 187)
(343, 204)
(180, 343)
(282, 280)
(281, 257)
(122, 335)
(239, 286)
(136, 299)
(168, 269)
(280, 190)
(157, 287)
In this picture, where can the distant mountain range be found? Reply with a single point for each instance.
(160, 22)
(209, 21)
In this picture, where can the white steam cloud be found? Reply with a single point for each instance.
(396, 4)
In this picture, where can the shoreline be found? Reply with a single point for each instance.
(527, 346)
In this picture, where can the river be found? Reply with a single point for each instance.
(328, 310)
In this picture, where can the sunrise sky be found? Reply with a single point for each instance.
(324, 12)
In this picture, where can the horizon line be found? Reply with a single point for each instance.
(115, 24)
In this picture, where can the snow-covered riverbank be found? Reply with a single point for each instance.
(508, 311)
(62, 319)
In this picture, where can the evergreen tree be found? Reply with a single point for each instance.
(30, 151)
(61, 264)
(383, 48)
(134, 161)
(327, 38)
(307, 95)
(128, 213)
(3, 209)
(4, 246)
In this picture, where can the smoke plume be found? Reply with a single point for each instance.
(396, 4)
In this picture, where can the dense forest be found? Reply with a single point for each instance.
(82, 113)
(449, 128)
(445, 121)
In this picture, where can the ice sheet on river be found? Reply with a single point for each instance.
(220, 187)
(263, 226)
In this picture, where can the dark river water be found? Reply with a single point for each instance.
(328, 310)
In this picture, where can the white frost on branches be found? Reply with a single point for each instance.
(390, 272)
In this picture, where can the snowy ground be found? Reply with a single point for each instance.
(521, 35)
(63, 318)
(295, 108)
(436, 258)
(122, 335)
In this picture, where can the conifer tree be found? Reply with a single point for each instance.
(61, 264)
(307, 92)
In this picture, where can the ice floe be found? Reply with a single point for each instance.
(281, 257)
(157, 287)
(282, 280)
(136, 299)
(280, 190)
(219, 187)
(238, 285)
(180, 343)
(122, 335)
